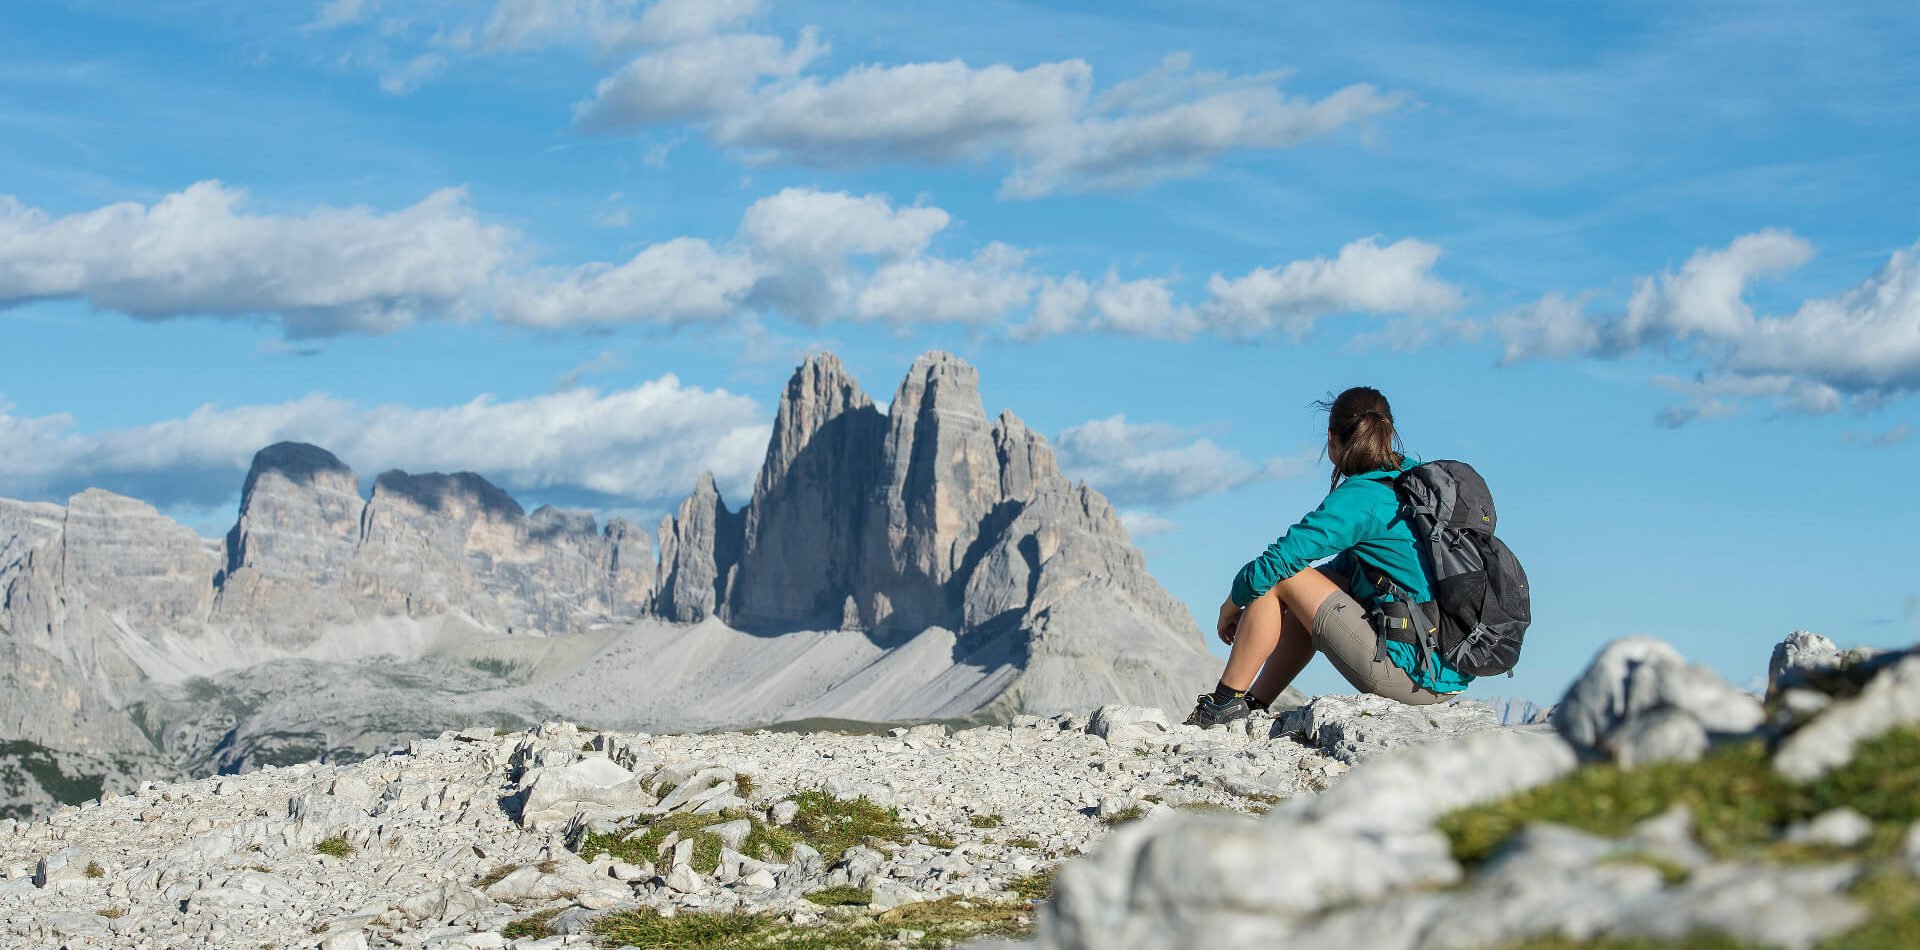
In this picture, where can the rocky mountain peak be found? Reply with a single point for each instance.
(462, 493)
(299, 515)
(302, 464)
(819, 392)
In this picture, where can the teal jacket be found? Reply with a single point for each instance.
(1359, 518)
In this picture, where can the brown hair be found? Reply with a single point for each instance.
(1362, 422)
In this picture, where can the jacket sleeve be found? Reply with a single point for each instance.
(1342, 521)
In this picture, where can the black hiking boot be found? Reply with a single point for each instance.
(1211, 712)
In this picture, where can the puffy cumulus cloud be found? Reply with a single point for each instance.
(797, 252)
(1860, 346)
(1365, 277)
(1866, 339)
(980, 290)
(752, 92)
(681, 281)
(1148, 463)
(808, 255)
(642, 446)
(805, 224)
(1706, 297)
(198, 252)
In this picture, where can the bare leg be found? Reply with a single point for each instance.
(1286, 661)
(1272, 636)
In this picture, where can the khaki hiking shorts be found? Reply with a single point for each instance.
(1341, 631)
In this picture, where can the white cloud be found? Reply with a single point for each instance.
(644, 445)
(981, 290)
(1706, 298)
(197, 252)
(813, 256)
(1864, 340)
(1148, 463)
(1181, 138)
(1364, 278)
(681, 281)
(749, 92)
(1552, 327)
(805, 225)
(1860, 346)
(918, 111)
(692, 80)
(608, 24)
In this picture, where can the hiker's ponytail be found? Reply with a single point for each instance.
(1361, 422)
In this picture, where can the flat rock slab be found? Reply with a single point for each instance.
(1355, 728)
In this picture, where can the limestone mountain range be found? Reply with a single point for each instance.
(922, 562)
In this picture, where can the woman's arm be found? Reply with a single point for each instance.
(1343, 520)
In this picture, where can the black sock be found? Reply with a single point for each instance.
(1224, 694)
(1255, 703)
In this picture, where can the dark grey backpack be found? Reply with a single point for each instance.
(1479, 587)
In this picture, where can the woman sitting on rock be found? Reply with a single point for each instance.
(1281, 610)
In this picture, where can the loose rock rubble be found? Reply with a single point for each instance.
(1399, 855)
(1375, 830)
(458, 838)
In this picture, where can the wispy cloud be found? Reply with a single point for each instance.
(696, 65)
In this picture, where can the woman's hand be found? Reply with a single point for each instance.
(1229, 621)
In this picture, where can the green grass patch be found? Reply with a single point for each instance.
(985, 821)
(825, 824)
(938, 840)
(532, 925)
(831, 826)
(841, 896)
(941, 923)
(94, 870)
(1028, 843)
(1124, 815)
(1035, 886)
(641, 842)
(336, 847)
(1739, 804)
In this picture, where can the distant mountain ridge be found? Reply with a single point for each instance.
(971, 577)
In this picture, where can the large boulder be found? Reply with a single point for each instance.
(1354, 728)
(1637, 677)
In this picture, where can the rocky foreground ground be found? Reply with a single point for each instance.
(1663, 807)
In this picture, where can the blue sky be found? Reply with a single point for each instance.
(1650, 266)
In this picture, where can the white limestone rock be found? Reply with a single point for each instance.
(1355, 728)
(1128, 726)
(1890, 700)
(1636, 676)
